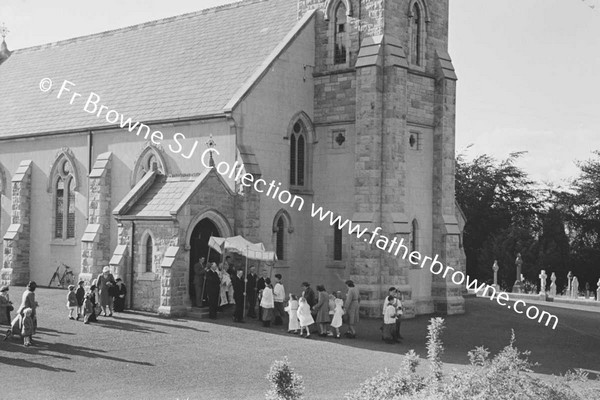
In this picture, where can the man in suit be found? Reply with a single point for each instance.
(212, 288)
(251, 292)
(260, 286)
(238, 295)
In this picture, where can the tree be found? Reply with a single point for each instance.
(554, 249)
(497, 198)
(581, 208)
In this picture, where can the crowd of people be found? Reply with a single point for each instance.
(322, 313)
(308, 312)
(105, 295)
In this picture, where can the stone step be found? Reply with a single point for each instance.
(198, 313)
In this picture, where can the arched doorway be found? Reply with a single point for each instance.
(199, 248)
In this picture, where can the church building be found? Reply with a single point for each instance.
(107, 143)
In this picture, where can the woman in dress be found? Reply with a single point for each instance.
(120, 292)
(104, 282)
(322, 309)
(351, 306)
(28, 301)
(304, 316)
(336, 322)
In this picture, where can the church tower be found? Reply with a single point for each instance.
(384, 79)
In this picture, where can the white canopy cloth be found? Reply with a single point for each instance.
(239, 245)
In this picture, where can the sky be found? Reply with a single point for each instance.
(528, 70)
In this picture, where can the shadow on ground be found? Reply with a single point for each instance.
(485, 324)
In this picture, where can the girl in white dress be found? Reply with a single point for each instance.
(304, 316)
(336, 322)
(292, 310)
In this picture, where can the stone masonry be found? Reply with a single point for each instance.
(382, 95)
(95, 242)
(15, 267)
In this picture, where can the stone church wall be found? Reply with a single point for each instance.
(287, 89)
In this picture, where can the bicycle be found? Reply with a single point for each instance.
(67, 278)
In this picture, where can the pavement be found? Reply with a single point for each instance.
(140, 356)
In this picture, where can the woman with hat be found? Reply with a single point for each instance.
(105, 281)
(28, 301)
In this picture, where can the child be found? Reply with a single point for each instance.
(89, 314)
(267, 303)
(336, 321)
(71, 301)
(80, 295)
(331, 312)
(292, 310)
(304, 316)
(27, 327)
(389, 320)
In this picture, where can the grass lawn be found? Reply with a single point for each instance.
(139, 356)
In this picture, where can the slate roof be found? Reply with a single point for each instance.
(164, 195)
(185, 66)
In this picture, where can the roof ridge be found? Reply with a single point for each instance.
(142, 25)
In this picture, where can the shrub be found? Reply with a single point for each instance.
(285, 383)
(504, 377)
(435, 347)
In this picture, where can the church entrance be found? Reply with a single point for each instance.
(199, 248)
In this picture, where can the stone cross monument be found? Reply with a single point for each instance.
(543, 277)
(575, 288)
(553, 285)
(495, 268)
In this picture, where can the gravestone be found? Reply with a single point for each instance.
(553, 285)
(574, 288)
(495, 268)
(543, 277)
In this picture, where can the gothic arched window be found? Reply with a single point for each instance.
(280, 239)
(417, 19)
(64, 200)
(340, 39)
(298, 155)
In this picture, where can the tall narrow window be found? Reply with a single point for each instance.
(149, 251)
(414, 235)
(337, 243)
(415, 42)
(279, 246)
(298, 155)
(340, 41)
(59, 208)
(64, 200)
(293, 158)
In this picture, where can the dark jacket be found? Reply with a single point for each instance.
(213, 282)
(251, 285)
(310, 297)
(238, 289)
(80, 294)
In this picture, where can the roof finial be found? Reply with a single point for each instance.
(4, 52)
(3, 31)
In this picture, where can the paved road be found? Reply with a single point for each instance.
(138, 356)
